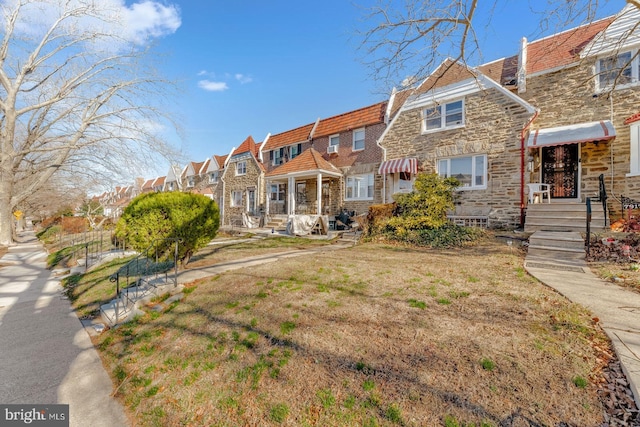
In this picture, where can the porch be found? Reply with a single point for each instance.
(564, 216)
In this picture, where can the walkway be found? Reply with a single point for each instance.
(46, 356)
(617, 308)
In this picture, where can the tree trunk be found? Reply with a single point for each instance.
(6, 214)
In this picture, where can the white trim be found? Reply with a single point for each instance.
(353, 139)
(443, 117)
(473, 157)
(245, 168)
(634, 141)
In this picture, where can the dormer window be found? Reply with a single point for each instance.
(622, 69)
(445, 116)
(191, 182)
(213, 177)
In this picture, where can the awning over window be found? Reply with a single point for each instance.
(572, 134)
(409, 165)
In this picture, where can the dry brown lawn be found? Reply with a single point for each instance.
(371, 335)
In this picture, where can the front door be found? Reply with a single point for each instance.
(560, 167)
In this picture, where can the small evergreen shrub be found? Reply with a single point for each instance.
(152, 219)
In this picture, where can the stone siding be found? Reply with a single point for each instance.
(493, 123)
(568, 96)
(252, 179)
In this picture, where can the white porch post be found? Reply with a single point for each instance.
(319, 194)
(291, 194)
(267, 197)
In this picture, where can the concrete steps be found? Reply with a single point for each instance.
(563, 216)
(565, 247)
(126, 308)
(277, 222)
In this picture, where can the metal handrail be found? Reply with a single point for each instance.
(602, 194)
(141, 267)
(588, 239)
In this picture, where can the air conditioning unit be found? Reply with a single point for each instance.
(332, 149)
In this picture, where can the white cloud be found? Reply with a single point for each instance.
(243, 79)
(210, 86)
(150, 19)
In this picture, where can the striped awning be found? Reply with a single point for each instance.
(572, 134)
(406, 164)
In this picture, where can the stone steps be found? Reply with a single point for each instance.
(559, 216)
(557, 247)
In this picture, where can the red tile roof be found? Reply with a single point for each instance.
(220, 160)
(366, 116)
(247, 146)
(308, 161)
(563, 48)
(289, 137)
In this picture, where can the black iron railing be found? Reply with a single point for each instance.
(602, 196)
(145, 272)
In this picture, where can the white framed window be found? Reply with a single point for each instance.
(241, 168)
(295, 150)
(404, 182)
(276, 157)
(634, 164)
(471, 171)
(191, 182)
(358, 139)
(213, 177)
(445, 116)
(236, 198)
(621, 70)
(334, 140)
(359, 187)
(171, 186)
(277, 192)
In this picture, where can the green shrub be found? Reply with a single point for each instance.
(152, 218)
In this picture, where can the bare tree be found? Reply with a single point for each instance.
(414, 39)
(77, 97)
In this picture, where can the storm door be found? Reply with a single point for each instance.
(560, 167)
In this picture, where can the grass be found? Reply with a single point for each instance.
(357, 350)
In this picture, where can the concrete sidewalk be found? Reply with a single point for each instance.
(617, 308)
(46, 356)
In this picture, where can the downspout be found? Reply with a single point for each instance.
(387, 115)
(522, 165)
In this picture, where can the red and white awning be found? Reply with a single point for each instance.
(409, 165)
(572, 134)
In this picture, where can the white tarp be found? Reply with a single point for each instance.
(302, 225)
(250, 221)
(572, 134)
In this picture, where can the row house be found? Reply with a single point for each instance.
(318, 169)
(563, 113)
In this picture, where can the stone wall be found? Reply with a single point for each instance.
(493, 123)
(568, 96)
(252, 179)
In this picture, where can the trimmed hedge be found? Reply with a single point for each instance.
(153, 218)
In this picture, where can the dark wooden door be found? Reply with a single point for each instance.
(560, 170)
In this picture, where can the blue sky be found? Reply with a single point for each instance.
(250, 67)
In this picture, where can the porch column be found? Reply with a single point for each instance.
(291, 195)
(319, 194)
(267, 197)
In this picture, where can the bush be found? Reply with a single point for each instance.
(152, 218)
(420, 217)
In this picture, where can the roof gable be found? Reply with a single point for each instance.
(247, 146)
(309, 160)
(621, 32)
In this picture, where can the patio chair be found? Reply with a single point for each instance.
(538, 189)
